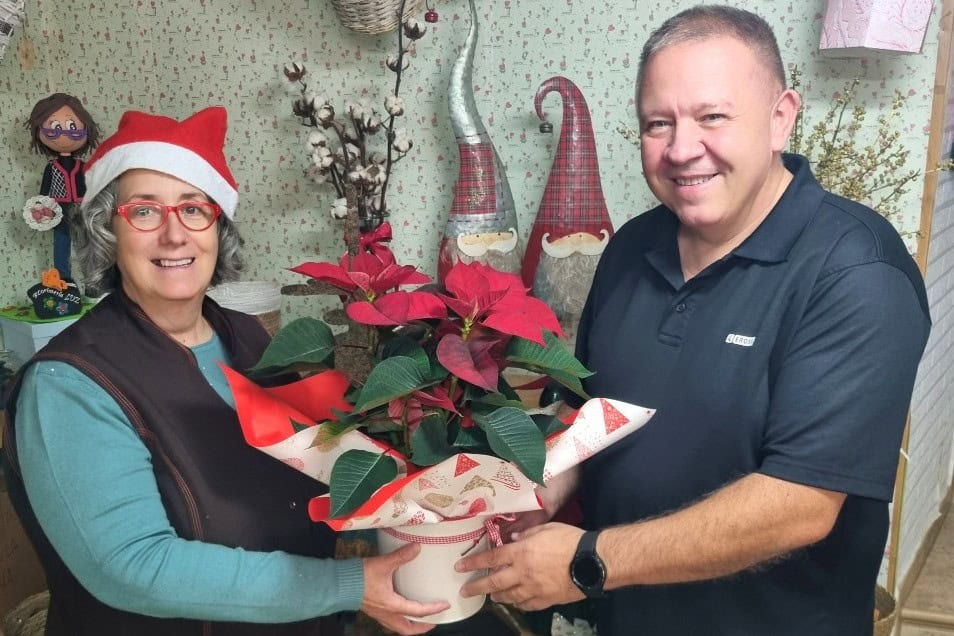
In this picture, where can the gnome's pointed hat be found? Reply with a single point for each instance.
(482, 198)
(573, 199)
(190, 150)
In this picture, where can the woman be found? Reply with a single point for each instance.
(150, 513)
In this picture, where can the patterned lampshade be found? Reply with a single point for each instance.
(859, 27)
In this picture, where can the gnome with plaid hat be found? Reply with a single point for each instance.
(572, 225)
(482, 223)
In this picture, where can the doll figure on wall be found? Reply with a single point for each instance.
(61, 128)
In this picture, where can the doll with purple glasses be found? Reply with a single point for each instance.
(61, 128)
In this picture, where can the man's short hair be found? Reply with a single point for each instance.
(707, 21)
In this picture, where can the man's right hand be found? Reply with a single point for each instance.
(385, 605)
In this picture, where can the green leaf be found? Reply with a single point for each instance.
(495, 401)
(429, 442)
(508, 391)
(437, 373)
(336, 428)
(302, 341)
(299, 427)
(553, 360)
(515, 437)
(389, 379)
(409, 348)
(473, 439)
(549, 424)
(355, 476)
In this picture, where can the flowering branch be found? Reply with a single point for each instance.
(873, 174)
(343, 157)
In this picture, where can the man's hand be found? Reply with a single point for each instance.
(532, 573)
(554, 496)
(385, 605)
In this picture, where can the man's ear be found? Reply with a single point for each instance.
(784, 113)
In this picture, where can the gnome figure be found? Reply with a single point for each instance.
(572, 225)
(482, 223)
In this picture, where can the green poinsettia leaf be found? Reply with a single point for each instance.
(389, 379)
(302, 341)
(508, 391)
(513, 436)
(490, 401)
(299, 427)
(429, 442)
(437, 373)
(355, 476)
(549, 424)
(347, 419)
(553, 360)
(409, 348)
(472, 439)
(337, 428)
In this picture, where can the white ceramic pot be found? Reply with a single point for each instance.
(431, 575)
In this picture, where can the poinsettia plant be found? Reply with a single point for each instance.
(437, 386)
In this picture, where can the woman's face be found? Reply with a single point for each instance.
(172, 266)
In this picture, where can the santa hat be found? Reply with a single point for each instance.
(190, 150)
(573, 198)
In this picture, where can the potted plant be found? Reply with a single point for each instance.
(434, 433)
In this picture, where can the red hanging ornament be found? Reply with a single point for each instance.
(430, 16)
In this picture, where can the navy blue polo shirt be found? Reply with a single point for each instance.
(794, 356)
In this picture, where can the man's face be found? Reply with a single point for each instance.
(709, 125)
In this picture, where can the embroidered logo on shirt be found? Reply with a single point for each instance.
(742, 341)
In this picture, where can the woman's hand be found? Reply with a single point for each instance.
(385, 605)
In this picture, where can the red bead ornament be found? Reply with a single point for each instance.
(430, 16)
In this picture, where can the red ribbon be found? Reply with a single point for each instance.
(491, 529)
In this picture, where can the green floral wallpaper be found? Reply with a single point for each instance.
(177, 56)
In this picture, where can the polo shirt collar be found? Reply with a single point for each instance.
(773, 239)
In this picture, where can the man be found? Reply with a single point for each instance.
(777, 330)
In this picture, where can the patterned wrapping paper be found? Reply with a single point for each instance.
(282, 422)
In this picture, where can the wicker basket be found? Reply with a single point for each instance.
(374, 16)
(886, 614)
(261, 299)
(28, 618)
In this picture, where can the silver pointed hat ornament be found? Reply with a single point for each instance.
(482, 222)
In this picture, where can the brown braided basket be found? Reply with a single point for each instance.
(28, 618)
(885, 615)
(374, 16)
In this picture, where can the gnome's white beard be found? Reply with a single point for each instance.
(563, 283)
(503, 261)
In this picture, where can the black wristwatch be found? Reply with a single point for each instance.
(587, 570)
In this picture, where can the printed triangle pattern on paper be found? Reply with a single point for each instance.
(613, 420)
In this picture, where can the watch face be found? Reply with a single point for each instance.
(587, 571)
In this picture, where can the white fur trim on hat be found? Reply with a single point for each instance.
(160, 156)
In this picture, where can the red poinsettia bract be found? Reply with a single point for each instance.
(490, 307)
(367, 278)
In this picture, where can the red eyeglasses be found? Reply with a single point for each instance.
(148, 216)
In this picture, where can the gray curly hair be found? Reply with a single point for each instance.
(94, 245)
